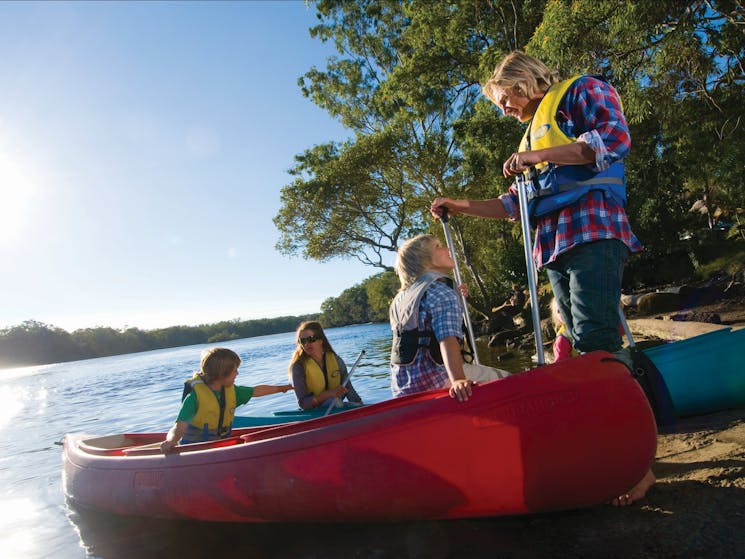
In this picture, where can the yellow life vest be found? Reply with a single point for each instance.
(544, 132)
(205, 425)
(314, 377)
(557, 186)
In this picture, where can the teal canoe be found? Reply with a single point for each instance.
(703, 374)
(279, 417)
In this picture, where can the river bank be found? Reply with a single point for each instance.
(697, 507)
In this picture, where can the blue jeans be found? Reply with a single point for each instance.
(587, 285)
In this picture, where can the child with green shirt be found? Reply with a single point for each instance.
(208, 410)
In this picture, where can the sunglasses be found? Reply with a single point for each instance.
(309, 340)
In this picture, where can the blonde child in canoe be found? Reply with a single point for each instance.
(208, 410)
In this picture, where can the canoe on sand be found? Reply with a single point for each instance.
(562, 436)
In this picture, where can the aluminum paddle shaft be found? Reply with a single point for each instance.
(346, 380)
(451, 247)
(530, 264)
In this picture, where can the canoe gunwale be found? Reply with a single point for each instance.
(423, 456)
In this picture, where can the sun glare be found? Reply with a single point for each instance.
(10, 406)
(15, 515)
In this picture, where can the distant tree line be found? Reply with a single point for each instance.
(362, 303)
(36, 343)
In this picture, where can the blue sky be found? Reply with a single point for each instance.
(143, 146)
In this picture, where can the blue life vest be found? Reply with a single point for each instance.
(558, 186)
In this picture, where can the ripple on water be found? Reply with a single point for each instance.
(141, 392)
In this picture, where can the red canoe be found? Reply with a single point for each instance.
(562, 436)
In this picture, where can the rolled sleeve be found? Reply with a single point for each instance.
(597, 119)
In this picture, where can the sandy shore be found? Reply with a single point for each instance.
(697, 507)
(695, 510)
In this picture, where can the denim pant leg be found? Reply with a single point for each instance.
(587, 285)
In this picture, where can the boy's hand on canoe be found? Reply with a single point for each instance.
(461, 389)
(167, 446)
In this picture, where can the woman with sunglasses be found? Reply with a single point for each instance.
(317, 372)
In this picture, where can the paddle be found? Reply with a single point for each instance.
(467, 317)
(649, 378)
(475, 371)
(346, 380)
(529, 263)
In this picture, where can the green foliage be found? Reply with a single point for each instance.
(679, 68)
(406, 84)
(33, 342)
(731, 263)
(737, 231)
(380, 290)
(365, 302)
(348, 201)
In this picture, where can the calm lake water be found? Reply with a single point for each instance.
(141, 392)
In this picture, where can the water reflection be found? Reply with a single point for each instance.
(114, 537)
(15, 513)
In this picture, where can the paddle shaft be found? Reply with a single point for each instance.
(451, 247)
(529, 263)
(346, 380)
(626, 329)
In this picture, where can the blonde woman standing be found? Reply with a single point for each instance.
(572, 157)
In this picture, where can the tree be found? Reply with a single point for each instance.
(34, 342)
(380, 290)
(348, 200)
(680, 69)
(406, 86)
(407, 81)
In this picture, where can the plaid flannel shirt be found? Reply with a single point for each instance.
(440, 311)
(591, 112)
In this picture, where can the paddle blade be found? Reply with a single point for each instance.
(482, 373)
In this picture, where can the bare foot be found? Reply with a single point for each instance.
(636, 492)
